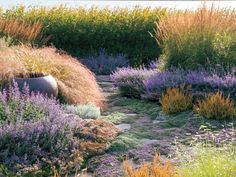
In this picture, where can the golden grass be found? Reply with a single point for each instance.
(20, 29)
(204, 37)
(181, 22)
(151, 169)
(77, 84)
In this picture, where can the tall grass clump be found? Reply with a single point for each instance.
(20, 30)
(204, 37)
(77, 85)
(81, 31)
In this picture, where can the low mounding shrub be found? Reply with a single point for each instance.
(104, 63)
(84, 111)
(176, 100)
(203, 37)
(84, 30)
(35, 133)
(130, 80)
(156, 84)
(77, 85)
(202, 82)
(216, 106)
(151, 169)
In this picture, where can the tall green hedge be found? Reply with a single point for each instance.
(81, 31)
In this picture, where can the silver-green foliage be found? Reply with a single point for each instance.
(84, 111)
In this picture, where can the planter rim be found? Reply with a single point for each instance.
(48, 75)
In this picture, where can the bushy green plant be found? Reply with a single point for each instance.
(203, 37)
(84, 111)
(176, 100)
(216, 106)
(206, 162)
(80, 31)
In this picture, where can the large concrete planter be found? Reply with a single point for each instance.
(42, 84)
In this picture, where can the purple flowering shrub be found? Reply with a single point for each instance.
(34, 131)
(160, 81)
(202, 81)
(105, 63)
(130, 80)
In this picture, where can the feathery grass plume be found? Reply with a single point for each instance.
(151, 169)
(77, 85)
(216, 106)
(205, 37)
(20, 29)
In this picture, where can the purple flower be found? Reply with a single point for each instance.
(33, 127)
(201, 81)
(105, 63)
(130, 80)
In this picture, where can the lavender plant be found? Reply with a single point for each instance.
(202, 82)
(105, 63)
(34, 132)
(130, 80)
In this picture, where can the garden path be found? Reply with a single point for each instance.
(146, 131)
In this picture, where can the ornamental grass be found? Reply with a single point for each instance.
(77, 85)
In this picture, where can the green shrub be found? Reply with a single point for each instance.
(203, 37)
(216, 106)
(176, 100)
(84, 111)
(80, 31)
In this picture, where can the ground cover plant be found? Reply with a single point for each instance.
(204, 37)
(77, 85)
(87, 30)
(84, 111)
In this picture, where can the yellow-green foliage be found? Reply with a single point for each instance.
(216, 106)
(154, 169)
(176, 100)
(81, 30)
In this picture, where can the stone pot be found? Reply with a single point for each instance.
(45, 84)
